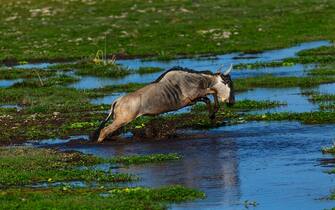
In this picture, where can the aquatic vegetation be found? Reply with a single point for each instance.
(47, 82)
(322, 71)
(95, 69)
(22, 166)
(13, 73)
(243, 105)
(280, 82)
(318, 97)
(141, 159)
(318, 117)
(103, 198)
(259, 65)
(329, 149)
(321, 51)
(129, 87)
(149, 70)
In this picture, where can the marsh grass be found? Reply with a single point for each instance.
(317, 117)
(323, 72)
(243, 105)
(129, 87)
(269, 81)
(142, 159)
(260, 65)
(46, 82)
(87, 67)
(20, 167)
(13, 73)
(104, 198)
(149, 70)
(329, 149)
(189, 28)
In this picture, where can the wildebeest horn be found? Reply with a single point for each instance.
(228, 70)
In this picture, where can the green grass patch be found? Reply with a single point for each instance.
(141, 159)
(129, 87)
(117, 198)
(149, 70)
(318, 117)
(243, 105)
(318, 97)
(322, 72)
(330, 149)
(54, 30)
(95, 69)
(46, 82)
(259, 65)
(280, 82)
(22, 166)
(321, 51)
(13, 73)
(50, 99)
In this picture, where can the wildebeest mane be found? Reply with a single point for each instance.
(178, 68)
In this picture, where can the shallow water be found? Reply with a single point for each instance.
(211, 63)
(208, 63)
(292, 96)
(226, 59)
(326, 88)
(275, 164)
(90, 82)
(8, 82)
(35, 65)
(10, 106)
(106, 99)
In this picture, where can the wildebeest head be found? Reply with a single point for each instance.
(224, 86)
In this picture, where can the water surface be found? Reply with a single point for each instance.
(275, 164)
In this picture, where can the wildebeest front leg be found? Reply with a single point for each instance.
(216, 106)
(208, 103)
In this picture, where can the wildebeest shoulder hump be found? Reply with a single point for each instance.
(178, 68)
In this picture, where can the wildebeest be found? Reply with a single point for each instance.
(174, 89)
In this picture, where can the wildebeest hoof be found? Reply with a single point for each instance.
(100, 140)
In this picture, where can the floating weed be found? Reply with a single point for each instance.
(141, 159)
(83, 125)
(329, 149)
(243, 105)
(149, 70)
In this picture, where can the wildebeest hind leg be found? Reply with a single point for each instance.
(109, 130)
